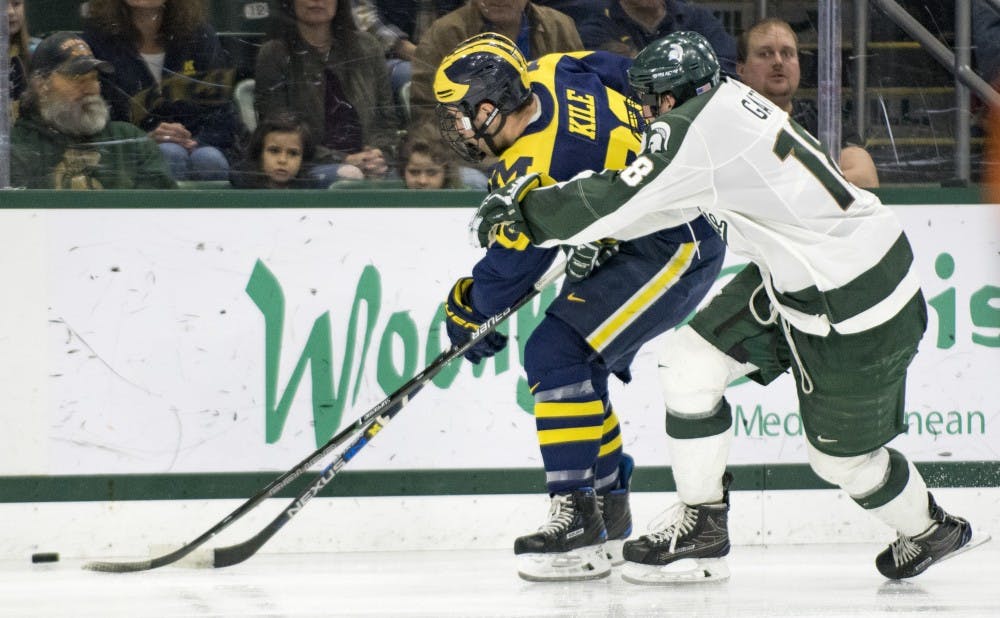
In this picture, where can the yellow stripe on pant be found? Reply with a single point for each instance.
(570, 434)
(610, 427)
(643, 298)
(563, 409)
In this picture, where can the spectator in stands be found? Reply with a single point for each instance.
(991, 165)
(537, 30)
(986, 44)
(398, 25)
(627, 26)
(172, 79)
(427, 162)
(20, 50)
(279, 156)
(769, 63)
(63, 138)
(986, 40)
(577, 10)
(319, 65)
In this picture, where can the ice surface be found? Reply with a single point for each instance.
(785, 580)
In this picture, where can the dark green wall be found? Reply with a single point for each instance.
(425, 482)
(358, 198)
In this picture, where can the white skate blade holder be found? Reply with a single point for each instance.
(577, 565)
(614, 549)
(686, 571)
(978, 538)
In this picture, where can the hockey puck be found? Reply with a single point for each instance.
(45, 556)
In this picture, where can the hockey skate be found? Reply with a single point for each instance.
(570, 545)
(616, 512)
(946, 538)
(691, 548)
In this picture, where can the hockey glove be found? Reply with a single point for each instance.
(502, 207)
(462, 321)
(585, 259)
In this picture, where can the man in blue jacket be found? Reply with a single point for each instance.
(627, 26)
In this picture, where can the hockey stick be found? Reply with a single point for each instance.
(370, 423)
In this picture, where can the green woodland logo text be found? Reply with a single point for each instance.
(333, 385)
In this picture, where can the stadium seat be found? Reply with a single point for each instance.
(243, 95)
(404, 98)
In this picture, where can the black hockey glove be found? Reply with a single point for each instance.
(502, 207)
(463, 321)
(585, 259)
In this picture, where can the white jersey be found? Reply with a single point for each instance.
(831, 252)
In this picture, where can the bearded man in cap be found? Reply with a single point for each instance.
(63, 139)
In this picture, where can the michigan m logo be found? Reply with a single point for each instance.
(502, 174)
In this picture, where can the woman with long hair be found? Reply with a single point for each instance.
(19, 49)
(172, 79)
(319, 65)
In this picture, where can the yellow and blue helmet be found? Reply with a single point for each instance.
(486, 68)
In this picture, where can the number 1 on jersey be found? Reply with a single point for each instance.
(786, 144)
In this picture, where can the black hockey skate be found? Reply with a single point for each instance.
(616, 512)
(910, 556)
(690, 548)
(570, 545)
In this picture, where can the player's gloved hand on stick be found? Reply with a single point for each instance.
(463, 321)
(502, 207)
(585, 259)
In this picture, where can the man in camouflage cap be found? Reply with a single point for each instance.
(63, 139)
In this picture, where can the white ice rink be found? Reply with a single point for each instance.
(783, 580)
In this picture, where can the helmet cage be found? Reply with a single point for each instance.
(454, 119)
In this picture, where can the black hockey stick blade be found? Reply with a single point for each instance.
(235, 554)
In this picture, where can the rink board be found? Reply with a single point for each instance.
(136, 343)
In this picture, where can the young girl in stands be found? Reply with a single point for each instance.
(426, 163)
(279, 156)
(318, 64)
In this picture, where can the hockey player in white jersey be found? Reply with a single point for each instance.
(830, 293)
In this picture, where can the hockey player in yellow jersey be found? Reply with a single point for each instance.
(563, 114)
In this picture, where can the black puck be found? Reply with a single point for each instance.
(45, 556)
